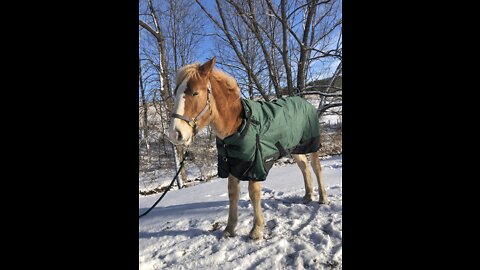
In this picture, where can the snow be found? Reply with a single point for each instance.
(184, 231)
(162, 177)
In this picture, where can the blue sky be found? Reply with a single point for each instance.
(207, 49)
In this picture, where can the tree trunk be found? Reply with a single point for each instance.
(303, 47)
(177, 151)
(285, 56)
(165, 88)
(145, 111)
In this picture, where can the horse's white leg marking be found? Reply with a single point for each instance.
(233, 194)
(254, 192)
(302, 162)
(323, 198)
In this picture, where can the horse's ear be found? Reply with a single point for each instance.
(207, 67)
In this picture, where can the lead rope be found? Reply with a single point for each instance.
(185, 155)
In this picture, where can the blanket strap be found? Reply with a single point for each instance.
(283, 152)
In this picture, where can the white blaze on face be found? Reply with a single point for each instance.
(178, 124)
(180, 99)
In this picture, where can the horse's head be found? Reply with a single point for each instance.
(193, 96)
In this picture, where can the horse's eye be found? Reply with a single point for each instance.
(195, 93)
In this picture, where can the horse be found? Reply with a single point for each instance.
(207, 96)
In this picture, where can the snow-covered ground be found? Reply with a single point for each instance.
(184, 231)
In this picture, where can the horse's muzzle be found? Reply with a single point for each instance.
(176, 136)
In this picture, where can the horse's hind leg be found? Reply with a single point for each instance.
(233, 194)
(302, 162)
(318, 172)
(254, 192)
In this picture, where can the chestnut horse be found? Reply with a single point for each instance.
(207, 96)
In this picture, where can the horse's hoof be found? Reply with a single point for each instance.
(256, 234)
(228, 233)
(307, 199)
(324, 201)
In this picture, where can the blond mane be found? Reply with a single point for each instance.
(229, 81)
(193, 71)
(187, 72)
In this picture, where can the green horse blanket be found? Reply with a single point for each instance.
(269, 130)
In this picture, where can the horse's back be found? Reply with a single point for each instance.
(291, 122)
(269, 131)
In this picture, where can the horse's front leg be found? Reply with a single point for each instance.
(233, 194)
(254, 192)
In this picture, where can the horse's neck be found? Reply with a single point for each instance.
(227, 115)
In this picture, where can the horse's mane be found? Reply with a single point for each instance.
(187, 72)
(193, 71)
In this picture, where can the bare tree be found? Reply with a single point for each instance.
(298, 32)
(164, 73)
(225, 28)
(144, 106)
(323, 106)
(185, 33)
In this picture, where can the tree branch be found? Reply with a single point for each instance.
(148, 28)
(326, 107)
(319, 93)
(231, 66)
(210, 16)
(306, 4)
(237, 52)
(269, 3)
(322, 85)
(330, 53)
(253, 26)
